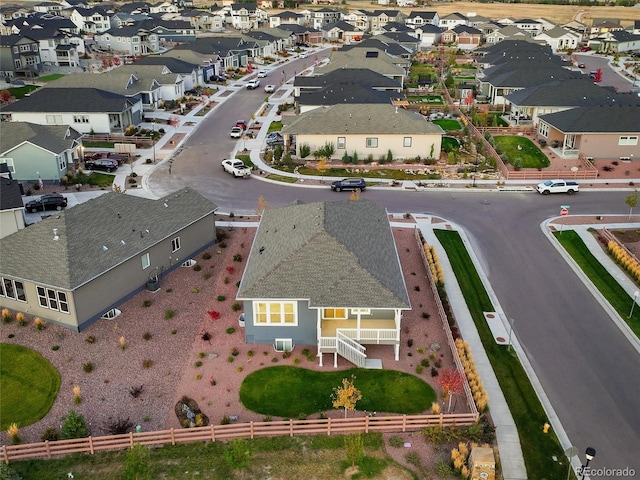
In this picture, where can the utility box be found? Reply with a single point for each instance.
(482, 464)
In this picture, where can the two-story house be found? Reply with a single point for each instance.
(286, 17)
(19, 57)
(452, 20)
(91, 20)
(133, 40)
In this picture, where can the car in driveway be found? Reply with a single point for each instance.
(269, 88)
(262, 73)
(106, 164)
(585, 49)
(236, 132)
(253, 84)
(54, 201)
(242, 124)
(348, 184)
(275, 138)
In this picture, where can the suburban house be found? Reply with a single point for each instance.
(341, 31)
(33, 151)
(379, 18)
(57, 48)
(359, 19)
(465, 37)
(129, 40)
(19, 57)
(560, 39)
(163, 7)
(302, 33)
(85, 261)
(202, 21)
(84, 109)
(90, 20)
(191, 72)
(374, 59)
(532, 27)
(604, 25)
(509, 32)
(618, 41)
(11, 205)
(609, 131)
(418, 18)
(286, 17)
(451, 20)
(428, 35)
(346, 78)
(372, 131)
(325, 274)
(244, 16)
(324, 16)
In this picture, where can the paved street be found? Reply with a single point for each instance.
(587, 367)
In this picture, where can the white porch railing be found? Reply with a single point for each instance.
(328, 344)
(351, 350)
(371, 335)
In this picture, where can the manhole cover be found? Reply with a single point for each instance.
(490, 315)
(500, 339)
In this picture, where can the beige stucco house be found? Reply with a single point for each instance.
(370, 130)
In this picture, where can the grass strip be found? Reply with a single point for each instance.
(610, 289)
(292, 392)
(538, 448)
(29, 385)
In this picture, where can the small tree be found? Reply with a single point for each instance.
(354, 446)
(632, 201)
(237, 453)
(137, 464)
(74, 425)
(452, 383)
(347, 395)
(305, 150)
(262, 205)
(322, 166)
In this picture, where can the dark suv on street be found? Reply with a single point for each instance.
(106, 164)
(55, 201)
(348, 184)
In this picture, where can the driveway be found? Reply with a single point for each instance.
(610, 77)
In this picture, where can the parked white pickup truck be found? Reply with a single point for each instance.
(557, 186)
(236, 167)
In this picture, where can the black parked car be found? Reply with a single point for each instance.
(106, 164)
(55, 201)
(348, 184)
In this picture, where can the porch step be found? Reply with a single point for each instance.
(373, 363)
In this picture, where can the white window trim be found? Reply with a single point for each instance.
(285, 348)
(334, 317)
(341, 143)
(145, 260)
(175, 244)
(371, 142)
(406, 141)
(268, 313)
(52, 299)
(361, 311)
(628, 140)
(14, 289)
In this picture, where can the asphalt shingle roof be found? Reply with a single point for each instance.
(54, 138)
(109, 220)
(341, 94)
(70, 100)
(611, 118)
(361, 119)
(348, 76)
(332, 253)
(572, 92)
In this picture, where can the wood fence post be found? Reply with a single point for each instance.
(366, 424)
(91, 445)
(328, 427)
(173, 437)
(48, 447)
(131, 439)
(251, 429)
(5, 457)
(213, 433)
(291, 427)
(404, 423)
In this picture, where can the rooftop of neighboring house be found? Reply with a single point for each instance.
(52, 138)
(97, 235)
(348, 76)
(322, 252)
(610, 118)
(572, 92)
(76, 100)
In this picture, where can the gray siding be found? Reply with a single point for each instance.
(302, 334)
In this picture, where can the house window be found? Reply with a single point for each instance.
(80, 119)
(62, 163)
(175, 244)
(52, 299)
(54, 119)
(275, 313)
(342, 142)
(627, 140)
(10, 165)
(543, 129)
(406, 142)
(145, 261)
(334, 313)
(361, 311)
(13, 289)
(283, 344)
(372, 142)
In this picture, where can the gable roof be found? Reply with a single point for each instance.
(176, 65)
(54, 138)
(611, 118)
(344, 94)
(88, 100)
(371, 119)
(331, 253)
(571, 92)
(527, 73)
(348, 76)
(78, 255)
(10, 197)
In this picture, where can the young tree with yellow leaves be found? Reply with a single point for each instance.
(346, 396)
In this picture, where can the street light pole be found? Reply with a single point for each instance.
(153, 141)
(635, 299)
(589, 454)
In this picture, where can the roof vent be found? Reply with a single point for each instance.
(55, 234)
(165, 205)
(123, 242)
(105, 248)
(261, 250)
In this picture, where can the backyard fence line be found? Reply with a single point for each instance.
(445, 326)
(608, 236)
(326, 426)
(139, 141)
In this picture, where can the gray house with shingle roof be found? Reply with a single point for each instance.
(31, 150)
(325, 274)
(11, 206)
(87, 260)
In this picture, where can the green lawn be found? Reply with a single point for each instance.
(96, 179)
(429, 99)
(291, 392)
(29, 385)
(600, 277)
(529, 154)
(538, 448)
(275, 127)
(20, 92)
(303, 457)
(448, 124)
(450, 144)
(51, 78)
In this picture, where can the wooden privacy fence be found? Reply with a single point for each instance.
(138, 141)
(327, 426)
(445, 326)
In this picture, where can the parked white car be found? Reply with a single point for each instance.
(269, 88)
(236, 167)
(236, 132)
